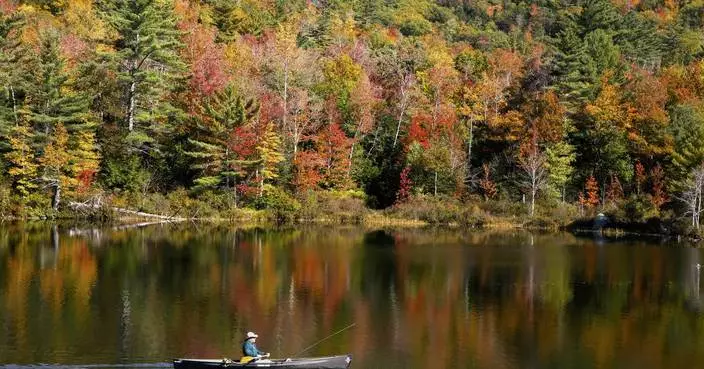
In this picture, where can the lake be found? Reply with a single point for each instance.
(77, 297)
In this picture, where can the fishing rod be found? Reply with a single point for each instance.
(324, 339)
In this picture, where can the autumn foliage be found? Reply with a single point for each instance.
(241, 98)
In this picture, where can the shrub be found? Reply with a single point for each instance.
(340, 206)
(438, 210)
(280, 204)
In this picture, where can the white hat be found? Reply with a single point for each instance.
(252, 335)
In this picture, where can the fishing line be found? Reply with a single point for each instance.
(330, 336)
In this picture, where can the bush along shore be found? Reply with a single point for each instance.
(351, 208)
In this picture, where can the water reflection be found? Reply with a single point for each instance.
(419, 298)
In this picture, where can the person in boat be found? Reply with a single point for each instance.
(250, 351)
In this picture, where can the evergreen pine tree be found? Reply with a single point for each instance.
(216, 151)
(571, 65)
(12, 75)
(687, 128)
(639, 41)
(225, 18)
(146, 62)
(52, 100)
(599, 14)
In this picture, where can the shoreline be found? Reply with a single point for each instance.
(372, 218)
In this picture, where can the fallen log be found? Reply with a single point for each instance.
(134, 213)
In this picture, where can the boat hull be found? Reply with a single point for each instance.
(329, 362)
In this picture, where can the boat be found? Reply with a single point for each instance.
(328, 362)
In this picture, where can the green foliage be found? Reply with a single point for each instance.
(52, 100)
(282, 206)
(146, 63)
(438, 210)
(687, 127)
(560, 158)
(341, 94)
(219, 150)
(13, 74)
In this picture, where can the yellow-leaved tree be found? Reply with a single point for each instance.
(55, 171)
(269, 150)
(22, 168)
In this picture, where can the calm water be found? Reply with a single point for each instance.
(76, 298)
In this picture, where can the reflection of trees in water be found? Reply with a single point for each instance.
(420, 298)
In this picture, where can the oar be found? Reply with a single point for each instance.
(324, 339)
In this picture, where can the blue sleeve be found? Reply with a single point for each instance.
(250, 349)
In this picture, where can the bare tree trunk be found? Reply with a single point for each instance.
(436, 183)
(405, 84)
(284, 120)
(469, 147)
(533, 164)
(532, 201)
(400, 119)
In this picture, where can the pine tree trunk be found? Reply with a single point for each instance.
(14, 103)
(130, 112)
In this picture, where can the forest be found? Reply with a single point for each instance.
(435, 109)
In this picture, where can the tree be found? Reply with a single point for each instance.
(397, 67)
(269, 151)
(13, 73)
(559, 159)
(363, 99)
(487, 185)
(205, 59)
(614, 191)
(55, 164)
(22, 168)
(405, 186)
(659, 197)
(85, 159)
(334, 146)
(146, 62)
(604, 138)
(687, 127)
(341, 76)
(692, 195)
(639, 176)
(308, 167)
(590, 197)
(52, 99)
(532, 162)
(223, 144)
(291, 73)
